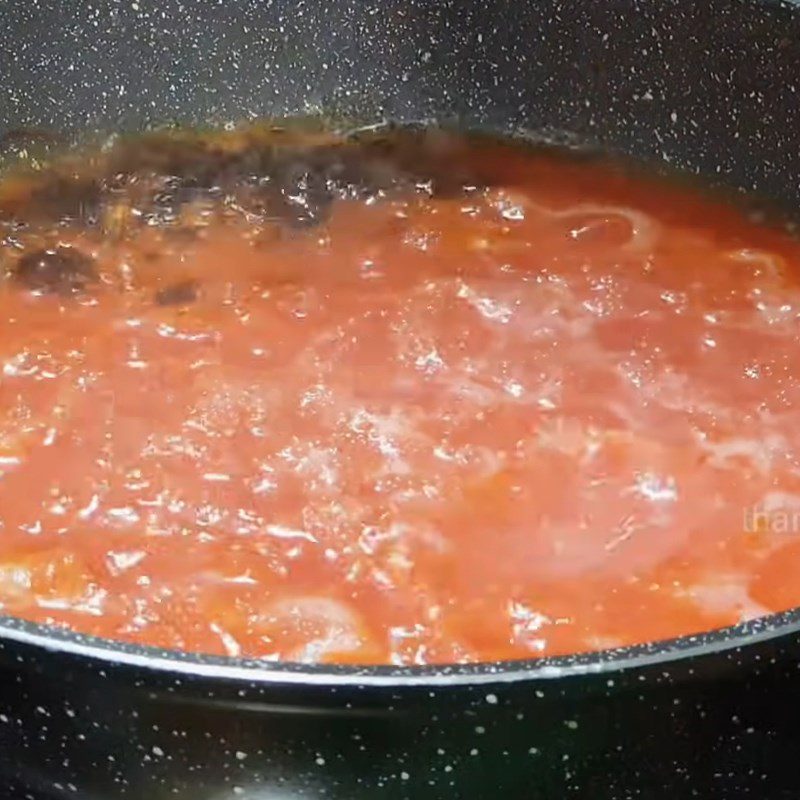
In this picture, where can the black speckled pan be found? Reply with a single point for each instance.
(712, 87)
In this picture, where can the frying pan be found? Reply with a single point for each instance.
(712, 88)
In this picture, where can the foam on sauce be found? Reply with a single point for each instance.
(525, 416)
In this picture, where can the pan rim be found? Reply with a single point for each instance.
(117, 654)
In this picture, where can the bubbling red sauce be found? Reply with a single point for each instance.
(552, 409)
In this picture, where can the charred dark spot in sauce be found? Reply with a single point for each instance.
(66, 197)
(188, 161)
(281, 177)
(293, 184)
(178, 294)
(61, 270)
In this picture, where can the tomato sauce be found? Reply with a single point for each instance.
(554, 408)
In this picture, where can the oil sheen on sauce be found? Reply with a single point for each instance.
(264, 400)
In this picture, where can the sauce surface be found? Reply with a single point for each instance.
(552, 408)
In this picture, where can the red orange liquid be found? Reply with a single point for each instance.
(525, 420)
